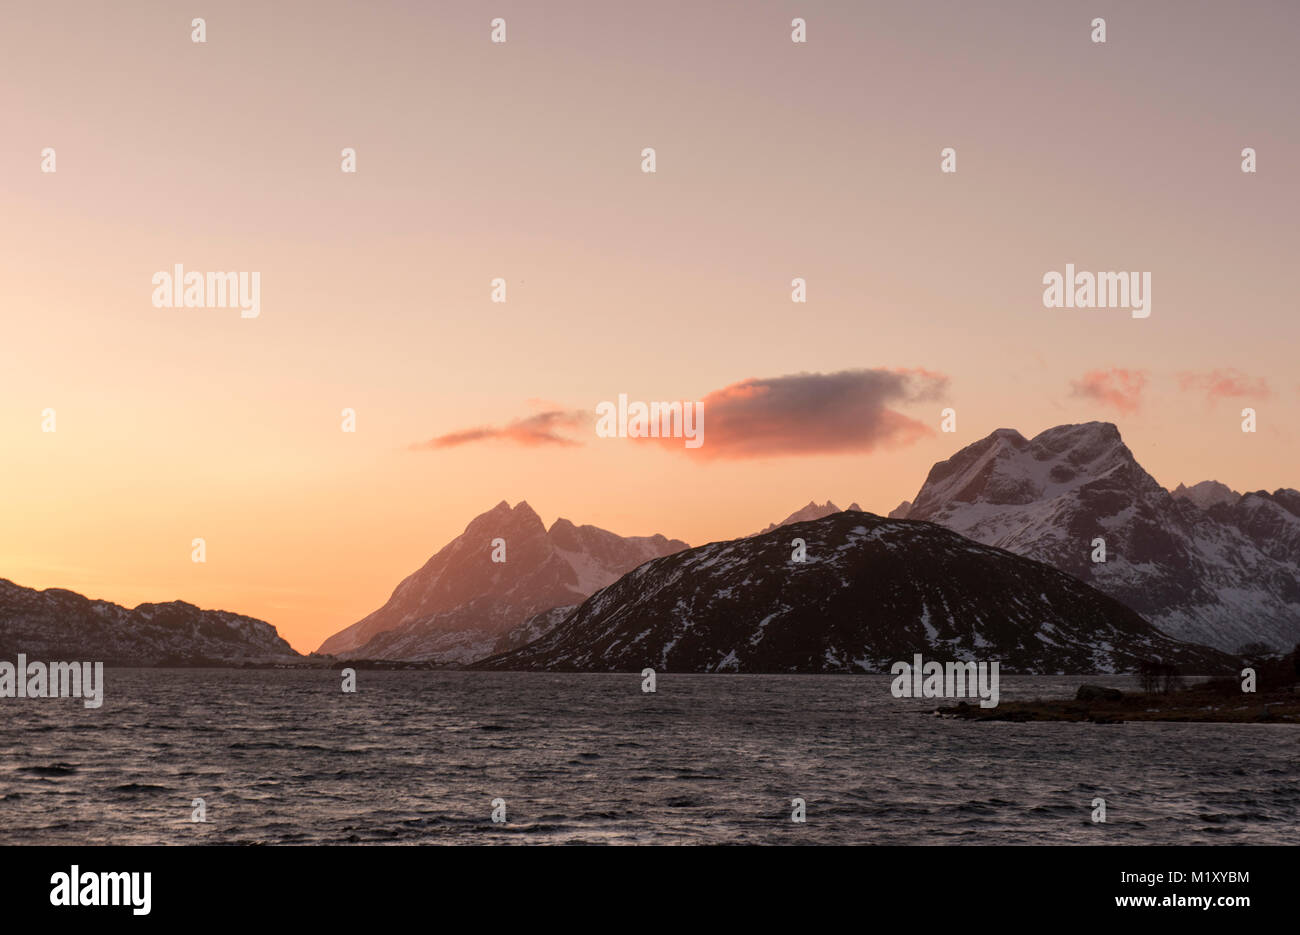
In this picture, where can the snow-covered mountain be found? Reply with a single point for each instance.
(813, 510)
(1225, 575)
(1269, 520)
(871, 592)
(461, 603)
(61, 625)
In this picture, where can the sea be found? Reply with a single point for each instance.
(432, 757)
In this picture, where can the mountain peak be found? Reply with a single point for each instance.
(1082, 434)
(1097, 426)
(460, 602)
(813, 510)
(502, 518)
(1206, 494)
(1004, 468)
(1202, 563)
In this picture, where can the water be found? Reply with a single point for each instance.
(417, 757)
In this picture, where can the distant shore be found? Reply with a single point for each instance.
(306, 662)
(1216, 701)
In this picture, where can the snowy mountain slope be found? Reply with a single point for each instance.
(460, 603)
(534, 628)
(872, 591)
(1222, 576)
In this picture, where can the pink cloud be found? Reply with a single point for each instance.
(531, 431)
(1116, 387)
(1227, 383)
(851, 411)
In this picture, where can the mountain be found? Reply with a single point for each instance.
(1269, 520)
(1207, 493)
(901, 511)
(1224, 576)
(813, 510)
(55, 624)
(461, 603)
(871, 592)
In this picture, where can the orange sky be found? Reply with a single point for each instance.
(522, 161)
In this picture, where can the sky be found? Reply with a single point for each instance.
(523, 161)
